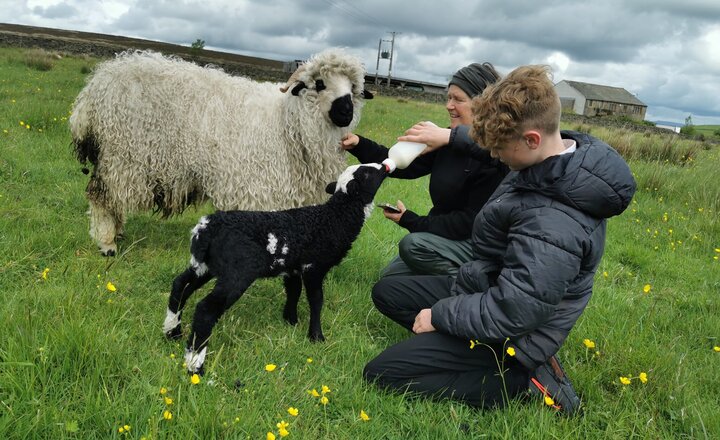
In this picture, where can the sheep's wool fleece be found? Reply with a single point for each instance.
(171, 128)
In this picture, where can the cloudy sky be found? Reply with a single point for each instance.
(666, 52)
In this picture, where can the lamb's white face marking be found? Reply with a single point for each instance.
(194, 360)
(272, 243)
(200, 268)
(202, 224)
(284, 249)
(278, 262)
(172, 320)
(347, 176)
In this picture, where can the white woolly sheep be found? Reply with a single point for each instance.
(301, 244)
(163, 132)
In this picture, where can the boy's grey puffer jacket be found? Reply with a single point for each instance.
(537, 242)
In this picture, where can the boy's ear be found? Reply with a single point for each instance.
(532, 139)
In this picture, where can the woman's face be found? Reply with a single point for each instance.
(458, 107)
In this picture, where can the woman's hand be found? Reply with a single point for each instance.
(349, 141)
(423, 322)
(395, 216)
(429, 134)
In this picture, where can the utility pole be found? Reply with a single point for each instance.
(384, 54)
(392, 46)
(377, 65)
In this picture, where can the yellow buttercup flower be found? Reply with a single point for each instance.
(510, 351)
(325, 389)
(643, 377)
(194, 379)
(605, 274)
(309, 360)
(163, 390)
(716, 349)
(270, 367)
(270, 436)
(167, 415)
(589, 343)
(168, 401)
(282, 424)
(549, 401)
(646, 288)
(293, 411)
(283, 432)
(45, 273)
(324, 400)
(363, 416)
(625, 380)
(314, 393)
(110, 286)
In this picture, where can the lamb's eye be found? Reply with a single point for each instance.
(320, 85)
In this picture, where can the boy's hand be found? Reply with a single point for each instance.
(423, 322)
(427, 133)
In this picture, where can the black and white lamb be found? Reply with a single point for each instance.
(301, 244)
(162, 132)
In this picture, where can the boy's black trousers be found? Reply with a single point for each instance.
(436, 364)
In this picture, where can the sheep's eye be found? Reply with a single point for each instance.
(320, 85)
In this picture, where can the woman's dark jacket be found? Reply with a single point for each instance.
(462, 177)
(537, 244)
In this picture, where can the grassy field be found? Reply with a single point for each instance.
(83, 355)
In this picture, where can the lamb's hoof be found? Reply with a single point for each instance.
(200, 371)
(316, 337)
(174, 334)
(290, 318)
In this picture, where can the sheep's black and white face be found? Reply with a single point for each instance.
(360, 181)
(334, 82)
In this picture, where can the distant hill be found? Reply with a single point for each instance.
(105, 46)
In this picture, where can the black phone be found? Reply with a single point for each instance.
(388, 207)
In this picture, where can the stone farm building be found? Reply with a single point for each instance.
(597, 100)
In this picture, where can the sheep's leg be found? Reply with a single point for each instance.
(207, 313)
(314, 291)
(103, 229)
(183, 287)
(293, 287)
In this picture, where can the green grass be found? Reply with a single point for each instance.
(78, 361)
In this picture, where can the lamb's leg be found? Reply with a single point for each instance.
(103, 229)
(314, 291)
(183, 287)
(293, 287)
(207, 313)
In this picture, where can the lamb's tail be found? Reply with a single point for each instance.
(199, 245)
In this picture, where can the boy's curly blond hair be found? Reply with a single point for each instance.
(525, 99)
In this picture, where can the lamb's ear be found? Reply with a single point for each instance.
(301, 85)
(330, 188)
(367, 95)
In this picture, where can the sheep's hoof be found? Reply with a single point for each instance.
(174, 334)
(316, 337)
(108, 251)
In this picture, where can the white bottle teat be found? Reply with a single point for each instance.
(401, 154)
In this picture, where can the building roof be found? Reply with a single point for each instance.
(598, 92)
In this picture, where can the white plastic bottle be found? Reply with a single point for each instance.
(403, 153)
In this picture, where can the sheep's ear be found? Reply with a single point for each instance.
(301, 85)
(330, 188)
(367, 95)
